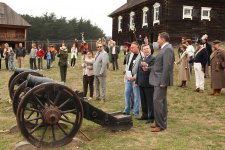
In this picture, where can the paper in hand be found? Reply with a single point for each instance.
(128, 74)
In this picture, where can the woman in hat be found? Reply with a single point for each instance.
(184, 71)
(54, 52)
(63, 56)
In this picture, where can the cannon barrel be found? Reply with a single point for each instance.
(19, 70)
(34, 81)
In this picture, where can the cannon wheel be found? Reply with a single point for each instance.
(19, 94)
(10, 80)
(19, 79)
(53, 103)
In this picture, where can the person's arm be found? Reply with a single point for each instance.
(205, 59)
(104, 63)
(24, 52)
(168, 60)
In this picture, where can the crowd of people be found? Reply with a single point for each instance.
(147, 78)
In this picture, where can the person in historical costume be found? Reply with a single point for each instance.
(183, 41)
(63, 56)
(200, 60)
(208, 47)
(54, 52)
(184, 71)
(217, 69)
(191, 50)
(6, 55)
(83, 48)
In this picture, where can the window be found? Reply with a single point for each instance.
(132, 19)
(156, 14)
(1, 15)
(120, 24)
(145, 17)
(205, 13)
(187, 12)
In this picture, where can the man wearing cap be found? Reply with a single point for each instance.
(131, 75)
(217, 69)
(200, 60)
(208, 47)
(6, 55)
(20, 54)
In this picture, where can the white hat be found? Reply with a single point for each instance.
(205, 37)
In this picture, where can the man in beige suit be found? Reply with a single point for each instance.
(100, 71)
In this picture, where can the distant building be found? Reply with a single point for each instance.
(13, 27)
(189, 18)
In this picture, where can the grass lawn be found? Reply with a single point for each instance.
(195, 120)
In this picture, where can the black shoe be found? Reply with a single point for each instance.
(142, 118)
(149, 121)
(125, 113)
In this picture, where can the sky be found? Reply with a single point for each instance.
(95, 10)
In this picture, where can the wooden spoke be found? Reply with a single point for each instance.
(42, 137)
(64, 103)
(62, 129)
(37, 118)
(32, 109)
(57, 98)
(67, 121)
(32, 112)
(69, 111)
(53, 133)
(35, 97)
(34, 129)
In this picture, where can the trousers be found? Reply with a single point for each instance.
(199, 76)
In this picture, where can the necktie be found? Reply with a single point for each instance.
(97, 55)
(160, 49)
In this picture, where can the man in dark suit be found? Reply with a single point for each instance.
(1, 56)
(115, 50)
(151, 46)
(161, 77)
(146, 90)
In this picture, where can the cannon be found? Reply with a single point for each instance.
(47, 102)
(19, 76)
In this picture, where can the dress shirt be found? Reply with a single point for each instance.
(114, 50)
(190, 49)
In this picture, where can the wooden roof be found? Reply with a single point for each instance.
(9, 17)
(129, 4)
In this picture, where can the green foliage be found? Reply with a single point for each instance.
(50, 27)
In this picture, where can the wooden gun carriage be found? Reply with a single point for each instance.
(40, 104)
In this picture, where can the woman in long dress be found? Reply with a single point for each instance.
(184, 71)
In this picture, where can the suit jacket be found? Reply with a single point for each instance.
(135, 64)
(143, 76)
(100, 64)
(162, 71)
(117, 49)
(1, 53)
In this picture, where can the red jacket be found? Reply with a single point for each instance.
(40, 53)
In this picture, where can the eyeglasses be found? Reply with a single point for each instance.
(99, 46)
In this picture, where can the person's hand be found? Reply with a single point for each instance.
(162, 86)
(100, 74)
(145, 68)
(175, 63)
(144, 64)
(132, 79)
(128, 79)
(135, 85)
(202, 69)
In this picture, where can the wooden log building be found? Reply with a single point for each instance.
(188, 18)
(13, 27)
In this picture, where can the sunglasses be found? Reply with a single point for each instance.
(99, 46)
